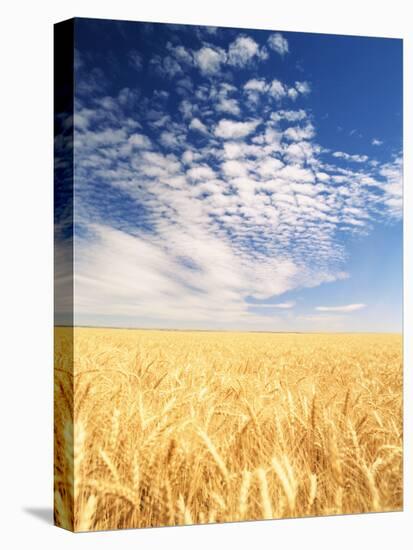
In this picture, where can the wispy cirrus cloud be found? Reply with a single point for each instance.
(341, 309)
(376, 142)
(279, 305)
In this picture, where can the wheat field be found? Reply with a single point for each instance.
(156, 428)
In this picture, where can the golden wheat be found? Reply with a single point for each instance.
(165, 428)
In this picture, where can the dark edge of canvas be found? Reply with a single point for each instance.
(63, 81)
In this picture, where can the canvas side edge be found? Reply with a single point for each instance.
(64, 488)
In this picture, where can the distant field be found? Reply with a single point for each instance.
(196, 427)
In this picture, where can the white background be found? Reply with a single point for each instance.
(26, 276)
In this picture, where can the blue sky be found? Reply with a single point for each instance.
(237, 179)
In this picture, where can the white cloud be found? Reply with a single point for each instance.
(189, 156)
(169, 139)
(278, 43)
(220, 98)
(243, 50)
(156, 281)
(273, 138)
(392, 173)
(295, 133)
(184, 86)
(156, 164)
(167, 66)
(202, 172)
(277, 89)
(187, 108)
(180, 53)
(285, 305)
(322, 176)
(198, 125)
(376, 142)
(234, 149)
(234, 168)
(256, 85)
(209, 59)
(140, 141)
(296, 173)
(280, 305)
(230, 129)
(342, 309)
(290, 116)
(108, 137)
(269, 167)
(241, 53)
(302, 87)
(354, 158)
(292, 93)
(231, 106)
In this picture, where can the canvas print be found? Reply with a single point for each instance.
(228, 274)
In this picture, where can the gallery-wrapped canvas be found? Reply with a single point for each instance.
(228, 274)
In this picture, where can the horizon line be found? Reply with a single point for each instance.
(229, 330)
